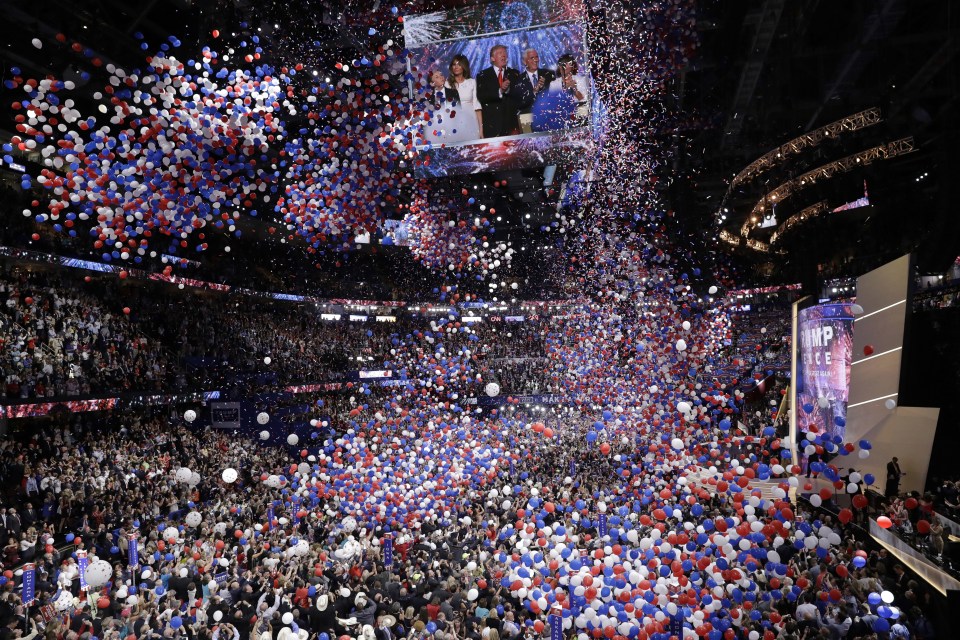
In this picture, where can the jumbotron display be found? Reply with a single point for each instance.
(507, 84)
(824, 354)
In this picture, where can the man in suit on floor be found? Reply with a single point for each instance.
(893, 478)
(500, 95)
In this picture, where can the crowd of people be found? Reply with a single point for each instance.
(57, 340)
(92, 485)
(405, 511)
(65, 337)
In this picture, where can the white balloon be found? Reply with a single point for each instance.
(171, 534)
(229, 475)
(98, 573)
(681, 345)
(189, 415)
(472, 595)
(267, 360)
(263, 417)
(493, 389)
(38, 43)
(183, 475)
(286, 618)
(712, 290)
(293, 439)
(264, 435)
(677, 444)
(890, 404)
(193, 519)
(686, 325)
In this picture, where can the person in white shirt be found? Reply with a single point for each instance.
(466, 87)
(567, 80)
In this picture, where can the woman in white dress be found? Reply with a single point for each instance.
(466, 86)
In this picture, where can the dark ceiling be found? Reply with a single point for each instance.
(769, 71)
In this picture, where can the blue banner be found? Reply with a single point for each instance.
(133, 553)
(573, 468)
(270, 518)
(676, 625)
(388, 551)
(556, 627)
(29, 584)
(221, 578)
(602, 525)
(82, 562)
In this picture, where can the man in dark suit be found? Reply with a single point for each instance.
(893, 478)
(535, 81)
(499, 95)
(30, 516)
(14, 526)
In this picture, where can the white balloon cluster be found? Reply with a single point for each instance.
(98, 573)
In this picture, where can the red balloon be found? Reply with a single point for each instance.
(605, 448)
(910, 503)
(845, 515)
(867, 350)
(923, 526)
(860, 501)
(884, 522)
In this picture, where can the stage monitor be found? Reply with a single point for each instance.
(497, 122)
(824, 352)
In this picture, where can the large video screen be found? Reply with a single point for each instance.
(505, 85)
(824, 356)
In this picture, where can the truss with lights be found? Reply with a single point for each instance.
(787, 189)
(771, 159)
(809, 140)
